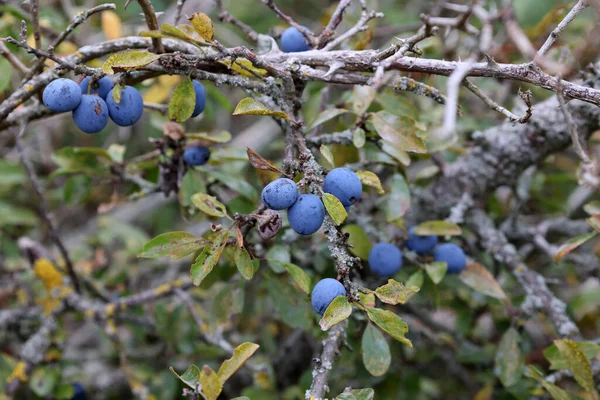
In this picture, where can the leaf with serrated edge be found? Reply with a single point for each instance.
(438, 228)
(183, 101)
(241, 354)
(375, 351)
(436, 271)
(394, 292)
(172, 244)
(390, 323)
(243, 263)
(326, 115)
(326, 152)
(337, 311)
(399, 130)
(209, 205)
(190, 377)
(128, 60)
(209, 257)
(260, 163)
(480, 279)
(203, 25)
(211, 385)
(335, 208)
(221, 137)
(370, 179)
(249, 106)
(508, 365)
(578, 364)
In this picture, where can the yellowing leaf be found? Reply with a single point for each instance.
(116, 93)
(111, 25)
(594, 222)
(589, 349)
(244, 67)
(436, 271)
(128, 60)
(211, 385)
(398, 200)
(249, 106)
(335, 208)
(221, 137)
(577, 362)
(161, 90)
(554, 391)
(209, 257)
(479, 278)
(326, 151)
(337, 311)
(241, 354)
(362, 97)
(392, 324)
(375, 351)
(395, 292)
(203, 25)
(438, 228)
(370, 179)
(172, 244)
(399, 130)
(47, 273)
(243, 262)
(209, 204)
(183, 101)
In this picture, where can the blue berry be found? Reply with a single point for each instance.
(453, 255)
(61, 95)
(200, 98)
(101, 87)
(324, 292)
(280, 194)
(129, 110)
(385, 259)
(79, 392)
(197, 155)
(344, 184)
(293, 41)
(307, 214)
(91, 115)
(420, 244)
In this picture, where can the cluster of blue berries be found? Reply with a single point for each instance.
(92, 103)
(306, 211)
(385, 259)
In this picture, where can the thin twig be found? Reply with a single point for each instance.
(151, 21)
(495, 106)
(308, 35)
(580, 6)
(180, 4)
(225, 16)
(35, 19)
(12, 59)
(572, 127)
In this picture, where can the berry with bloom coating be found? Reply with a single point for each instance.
(385, 259)
(197, 155)
(101, 87)
(420, 244)
(307, 214)
(324, 292)
(280, 194)
(62, 95)
(129, 110)
(79, 392)
(91, 115)
(200, 98)
(344, 184)
(452, 255)
(293, 41)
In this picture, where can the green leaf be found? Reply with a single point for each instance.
(370, 179)
(554, 391)
(116, 152)
(209, 205)
(192, 183)
(190, 377)
(211, 385)
(209, 257)
(399, 130)
(358, 241)
(589, 349)
(276, 255)
(508, 365)
(221, 137)
(357, 394)
(375, 351)
(327, 115)
(326, 152)
(169, 31)
(236, 183)
(183, 101)
(243, 262)
(438, 228)
(362, 97)
(577, 362)
(395, 151)
(572, 244)
(293, 310)
(90, 161)
(203, 25)
(172, 244)
(250, 106)
(594, 222)
(359, 138)
(480, 279)
(398, 200)
(11, 174)
(391, 323)
(395, 292)
(436, 271)
(337, 311)
(297, 274)
(128, 60)
(241, 354)
(16, 216)
(335, 208)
